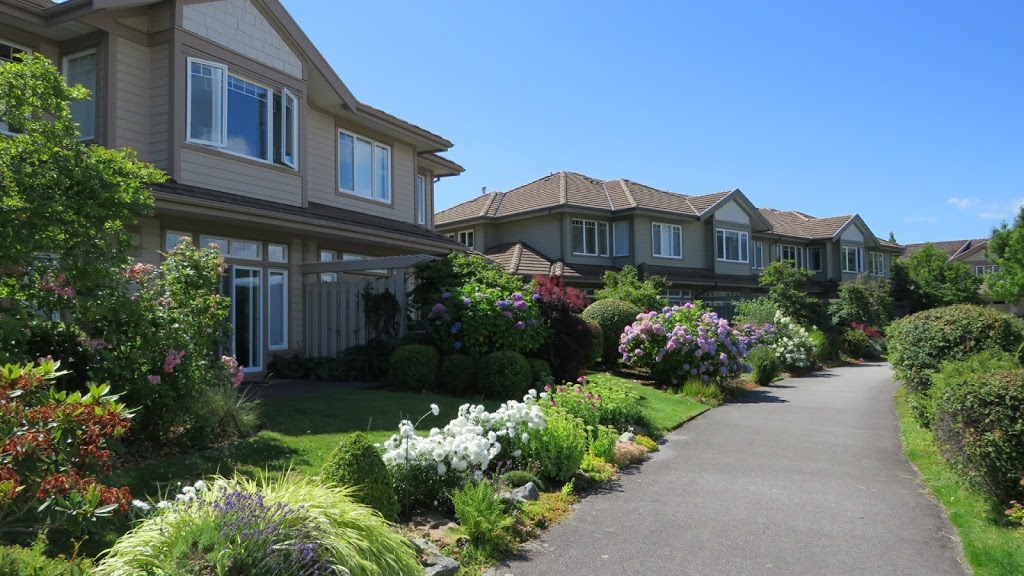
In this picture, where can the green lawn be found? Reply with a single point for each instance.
(666, 411)
(991, 546)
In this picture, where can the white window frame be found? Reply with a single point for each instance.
(284, 312)
(821, 258)
(228, 251)
(92, 95)
(467, 238)
(876, 264)
(285, 96)
(382, 196)
(757, 255)
(222, 142)
(3, 125)
(677, 296)
(421, 200)
(598, 226)
(743, 239)
(798, 252)
(858, 256)
(672, 227)
(177, 233)
(284, 250)
(616, 232)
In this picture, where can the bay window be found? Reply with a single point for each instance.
(758, 256)
(364, 167)
(814, 258)
(667, 240)
(80, 69)
(732, 245)
(853, 259)
(589, 238)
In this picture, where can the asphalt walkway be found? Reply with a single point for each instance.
(806, 478)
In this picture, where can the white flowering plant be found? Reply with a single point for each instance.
(792, 343)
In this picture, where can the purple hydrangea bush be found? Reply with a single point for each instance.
(687, 342)
(477, 320)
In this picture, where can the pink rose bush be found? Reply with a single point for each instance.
(687, 342)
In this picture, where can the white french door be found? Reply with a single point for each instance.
(247, 316)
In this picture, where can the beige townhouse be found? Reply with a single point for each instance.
(268, 153)
(973, 254)
(710, 247)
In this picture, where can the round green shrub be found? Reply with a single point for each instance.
(520, 478)
(456, 374)
(919, 343)
(856, 344)
(504, 375)
(540, 371)
(424, 338)
(766, 365)
(612, 316)
(357, 463)
(560, 446)
(415, 367)
(597, 347)
(979, 429)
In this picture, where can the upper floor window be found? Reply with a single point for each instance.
(983, 269)
(814, 258)
(80, 69)
(793, 253)
(732, 245)
(758, 256)
(876, 264)
(853, 259)
(421, 200)
(9, 53)
(364, 167)
(589, 238)
(620, 233)
(467, 238)
(667, 240)
(236, 115)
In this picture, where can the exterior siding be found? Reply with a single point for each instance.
(694, 254)
(133, 97)
(237, 177)
(566, 233)
(542, 233)
(240, 26)
(159, 106)
(731, 212)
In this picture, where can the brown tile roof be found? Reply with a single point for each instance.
(322, 212)
(793, 223)
(522, 259)
(572, 189)
(954, 248)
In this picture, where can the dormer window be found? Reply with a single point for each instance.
(240, 116)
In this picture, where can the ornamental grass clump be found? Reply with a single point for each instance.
(684, 342)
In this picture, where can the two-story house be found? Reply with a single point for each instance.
(710, 247)
(268, 153)
(971, 253)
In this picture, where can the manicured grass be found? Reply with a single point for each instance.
(991, 546)
(665, 411)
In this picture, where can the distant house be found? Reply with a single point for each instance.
(971, 253)
(710, 247)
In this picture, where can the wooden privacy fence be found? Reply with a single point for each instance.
(335, 318)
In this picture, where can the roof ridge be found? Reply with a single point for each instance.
(629, 194)
(562, 193)
(487, 205)
(470, 201)
(517, 257)
(604, 186)
(500, 202)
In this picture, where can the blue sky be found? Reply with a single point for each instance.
(908, 113)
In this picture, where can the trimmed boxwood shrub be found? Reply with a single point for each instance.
(415, 367)
(612, 316)
(504, 375)
(356, 462)
(560, 446)
(979, 429)
(540, 371)
(922, 341)
(456, 374)
(597, 346)
(424, 338)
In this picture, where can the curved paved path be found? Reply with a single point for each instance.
(806, 478)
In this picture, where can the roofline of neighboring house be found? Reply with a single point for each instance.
(446, 167)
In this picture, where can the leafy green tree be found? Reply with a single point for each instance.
(1006, 250)
(626, 286)
(59, 197)
(929, 280)
(865, 300)
(787, 288)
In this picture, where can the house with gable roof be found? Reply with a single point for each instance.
(709, 247)
(268, 154)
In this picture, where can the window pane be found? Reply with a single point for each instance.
(278, 310)
(382, 175)
(602, 238)
(621, 232)
(173, 239)
(277, 252)
(677, 241)
(744, 240)
(656, 239)
(577, 236)
(243, 249)
(221, 244)
(290, 125)
(720, 244)
(8, 52)
(82, 70)
(346, 162)
(364, 168)
(421, 200)
(589, 238)
(247, 118)
(207, 103)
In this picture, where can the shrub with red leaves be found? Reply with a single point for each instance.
(569, 349)
(52, 445)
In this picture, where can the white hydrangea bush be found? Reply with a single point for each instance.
(469, 443)
(793, 344)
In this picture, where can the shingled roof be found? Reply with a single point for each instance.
(954, 248)
(577, 190)
(522, 259)
(793, 223)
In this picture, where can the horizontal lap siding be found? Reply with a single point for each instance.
(159, 106)
(133, 97)
(543, 234)
(238, 177)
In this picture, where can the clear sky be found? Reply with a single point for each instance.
(908, 113)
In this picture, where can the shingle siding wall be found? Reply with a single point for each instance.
(240, 26)
(237, 177)
(159, 106)
(133, 97)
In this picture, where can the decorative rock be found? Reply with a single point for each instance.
(526, 492)
(627, 437)
(438, 565)
(424, 546)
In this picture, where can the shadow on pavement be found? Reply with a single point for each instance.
(760, 396)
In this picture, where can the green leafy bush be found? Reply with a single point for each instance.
(412, 337)
(357, 463)
(865, 300)
(540, 371)
(456, 375)
(627, 287)
(19, 561)
(757, 311)
(612, 316)
(519, 478)
(477, 320)
(362, 363)
(826, 345)
(646, 442)
(599, 469)
(597, 345)
(560, 446)
(420, 488)
(856, 343)
(504, 375)
(415, 367)
(603, 441)
(950, 373)
(919, 343)
(609, 404)
(766, 365)
(704, 392)
(482, 515)
(979, 429)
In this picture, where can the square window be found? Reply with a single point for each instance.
(667, 240)
(277, 252)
